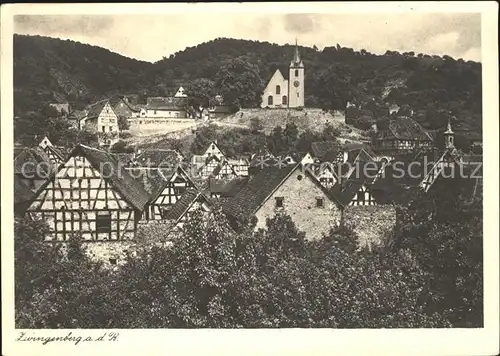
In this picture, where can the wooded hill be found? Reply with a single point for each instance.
(433, 87)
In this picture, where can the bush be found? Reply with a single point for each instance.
(125, 134)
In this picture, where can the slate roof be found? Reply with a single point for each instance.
(32, 159)
(131, 190)
(253, 195)
(182, 205)
(158, 158)
(166, 103)
(404, 128)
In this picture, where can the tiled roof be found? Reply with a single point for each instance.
(96, 109)
(165, 103)
(182, 205)
(125, 159)
(321, 148)
(32, 161)
(253, 195)
(130, 189)
(227, 188)
(404, 128)
(152, 180)
(158, 158)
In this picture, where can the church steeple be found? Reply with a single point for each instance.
(449, 136)
(296, 61)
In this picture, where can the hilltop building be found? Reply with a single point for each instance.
(282, 92)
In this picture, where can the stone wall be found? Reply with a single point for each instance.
(373, 223)
(156, 126)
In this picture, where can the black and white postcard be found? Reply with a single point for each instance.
(250, 178)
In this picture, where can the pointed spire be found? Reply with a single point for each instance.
(448, 129)
(296, 61)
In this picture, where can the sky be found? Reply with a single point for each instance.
(151, 37)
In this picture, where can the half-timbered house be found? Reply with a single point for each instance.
(400, 134)
(56, 157)
(224, 170)
(102, 119)
(90, 194)
(174, 185)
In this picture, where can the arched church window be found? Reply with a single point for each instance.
(278, 90)
(270, 100)
(284, 100)
(296, 72)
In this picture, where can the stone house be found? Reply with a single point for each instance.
(288, 190)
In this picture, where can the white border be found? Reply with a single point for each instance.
(274, 341)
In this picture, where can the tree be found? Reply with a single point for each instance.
(255, 125)
(123, 123)
(239, 83)
(121, 147)
(201, 92)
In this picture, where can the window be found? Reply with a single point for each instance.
(284, 100)
(361, 196)
(270, 100)
(279, 202)
(112, 261)
(319, 202)
(104, 129)
(298, 94)
(278, 90)
(179, 190)
(296, 72)
(103, 222)
(154, 112)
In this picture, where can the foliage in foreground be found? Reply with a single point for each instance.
(211, 277)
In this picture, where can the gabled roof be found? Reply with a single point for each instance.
(220, 166)
(321, 148)
(166, 103)
(167, 177)
(254, 194)
(56, 152)
(183, 204)
(404, 128)
(131, 190)
(158, 158)
(96, 109)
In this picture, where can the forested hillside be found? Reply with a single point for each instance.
(433, 87)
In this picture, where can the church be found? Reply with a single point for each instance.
(289, 92)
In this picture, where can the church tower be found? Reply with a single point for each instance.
(449, 136)
(296, 81)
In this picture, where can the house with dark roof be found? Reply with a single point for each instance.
(123, 107)
(190, 201)
(101, 118)
(92, 195)
(289, 190)
(224, 189)
(56, 157)
(400, 134)
(32, 166)
(165, 107)
(167, 192)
